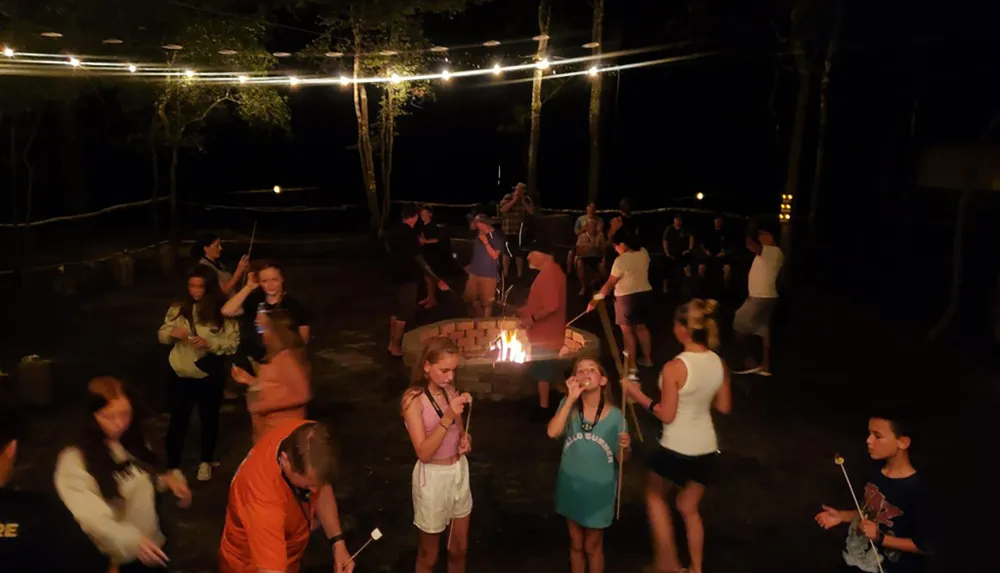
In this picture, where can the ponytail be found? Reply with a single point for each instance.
(697, 316)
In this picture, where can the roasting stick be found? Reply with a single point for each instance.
(840, 462)
(621, 462)
(253, 234)
(468, 420)
(613, 345)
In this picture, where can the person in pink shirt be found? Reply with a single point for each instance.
(280, 391)
(544, 319)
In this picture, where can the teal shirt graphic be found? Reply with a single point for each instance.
(588, 473)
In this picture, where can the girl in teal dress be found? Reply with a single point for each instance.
(595, 436)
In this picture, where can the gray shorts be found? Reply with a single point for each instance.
(754, 317)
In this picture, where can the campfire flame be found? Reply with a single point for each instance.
(510, 348)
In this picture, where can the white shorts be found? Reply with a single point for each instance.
(440, 494)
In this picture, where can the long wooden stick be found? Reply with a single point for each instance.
(252, 235)
(577, 317)
(621, 466)
(613, 345)
(840, 462)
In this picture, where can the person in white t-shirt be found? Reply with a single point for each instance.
(754, 317)
(633, 295)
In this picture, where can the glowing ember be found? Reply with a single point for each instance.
(510, 348)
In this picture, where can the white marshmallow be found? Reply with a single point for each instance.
(376, 534)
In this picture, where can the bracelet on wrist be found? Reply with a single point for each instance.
(336, 538)
(445, 426)
(652, 406)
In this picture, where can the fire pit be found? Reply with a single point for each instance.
(494, 352)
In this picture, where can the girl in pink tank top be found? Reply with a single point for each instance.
(432, 409)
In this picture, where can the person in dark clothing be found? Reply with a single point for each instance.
(436, 250)
(715, 247)
(38, 533)
(893, 534)
(407, 269)
(678, 242)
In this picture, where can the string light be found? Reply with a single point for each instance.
(592, 71)
(497, 70)
(294, 81)
(277, 189)
(75, 62)
(394, 78)
(543, 65)
(699, 196)
(189, 73)
(445, 75)
(344, 81)
(132, 68)
(9, 52)
(243, 79)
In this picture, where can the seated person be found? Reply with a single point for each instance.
(590, 256)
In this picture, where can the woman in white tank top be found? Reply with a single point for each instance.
(690, 385)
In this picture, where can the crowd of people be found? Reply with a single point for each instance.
(244, 326)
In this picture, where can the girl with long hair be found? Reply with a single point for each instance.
(280, 391)
(200, 336)
(432, 409)
(690, 386)
(595, 436)
(107, 479)
(207, 251)
(629, 281)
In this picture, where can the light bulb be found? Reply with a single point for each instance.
(497, 70)
(445, 75)
(189, 73)
(699, 196)
(9, 52)
(294, 81)
(277, 189)
(394, 78)
(132, 68)
(543, 65)
(75, 62)
(592, 71)
(344, 81)
(243, 79)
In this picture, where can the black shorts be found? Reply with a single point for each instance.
(404, 303)
(513, 247)
(633, 309)
(590, 262)
(679, 469)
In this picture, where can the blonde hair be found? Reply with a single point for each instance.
(697, 317)
(609, 396)
(434, 351)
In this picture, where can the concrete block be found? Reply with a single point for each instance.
(579, 337)
(465, 325)
(447, 329)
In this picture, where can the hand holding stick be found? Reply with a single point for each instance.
(577, 317)
(840, 462)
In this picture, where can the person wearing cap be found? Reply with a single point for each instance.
(754, 316)
(544, 319)
(207, 249)
(481, 287)
(515, 207)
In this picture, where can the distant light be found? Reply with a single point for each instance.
(394, 78)
(111, 41)
(243, 79)
(277, 189)
(543, 65)
(344, 80)
(497, 69)
(9, 52)
(334, 54)
(293, 81)
(174, 47)
(491, 43)
(445, 75)
(281, 54)
(540, 37)
(132, 68)
(699, 196)
(51, 35)
(75, 62)
(227, 52)
(591, 45)
(439, 48)
(388, 52)
(189, 73)
(593, 71)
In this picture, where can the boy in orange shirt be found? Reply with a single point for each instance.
(280, 493)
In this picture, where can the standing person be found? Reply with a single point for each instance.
(690, 386)
(715, 247)
(897, 516)
(432, 410)
(543, 316)
(629, 281)
(200, 337)
(515, 208)
(754, 316)
(434, 244)
(408, 270)
(106, 478)
(624, 220)
(264, 292)
(30, 522)
(280, 493)
(595, 438)
(678, 243)
(481, 287)
(280, 391)
(590, 255)
(207, 249)
(580, 227)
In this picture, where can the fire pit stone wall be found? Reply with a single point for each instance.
(478, 372)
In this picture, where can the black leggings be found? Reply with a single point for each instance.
(184, 394)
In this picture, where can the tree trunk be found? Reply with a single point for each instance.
(594, 116)
(798, 138)
(544, 16)
(831, 52)
(364, 138)
(155, 192)
(388, 141)
(174, 159)
(27, 235)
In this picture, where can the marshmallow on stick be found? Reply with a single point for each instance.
(839, 460)
(374, 536)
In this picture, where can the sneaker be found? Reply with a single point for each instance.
(204, 471)
(754, 370)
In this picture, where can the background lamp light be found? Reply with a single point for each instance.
(277, 189)
(699, 196)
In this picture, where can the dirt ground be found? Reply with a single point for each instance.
(833, 366)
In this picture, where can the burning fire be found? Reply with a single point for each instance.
(510, 348)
